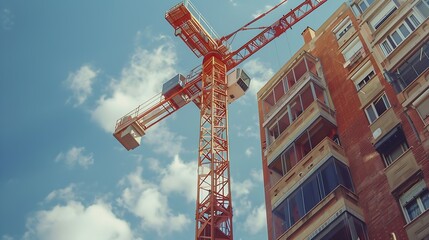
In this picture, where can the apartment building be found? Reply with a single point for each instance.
(345, 127)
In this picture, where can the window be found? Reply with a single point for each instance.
(342, 28)
(296, 206)
(394, 153)
(299, 148)
(422, 106)
(383, 15)
(411, 68)
(365, 80)
(394, 39)
(415, 201)
(316, 187)
(392, 145)
(352, 52)
(376, 108)
(293, 109)
(364, 4)
(282, 86)
(423, 8)
(311, 193)
(344, 227)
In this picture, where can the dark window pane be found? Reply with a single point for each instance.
(404, 30)
(413, 209)
(396, 37)
(362, 6)
(380, 106)
(344, 174)
(296, 206)
(280, 219)
(425, 199)
(289, 157)
(423, 8)
(311, 193)
(279, 91)
(339, 232)
(422, 63)
(329, 178)
(276, 170)
(410, 25)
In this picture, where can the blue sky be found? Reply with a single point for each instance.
(69, 69)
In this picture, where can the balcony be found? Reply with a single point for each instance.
(323, 151)
(419, 227)
(329, 209)
(370, 91)
(312, 113)
(412, 91)
(386, 122)
(287, 81)
(401, 169)
(293, 90)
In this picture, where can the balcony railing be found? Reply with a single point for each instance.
(323, 151)
(315, 110)
(386, 122)
(401, 169)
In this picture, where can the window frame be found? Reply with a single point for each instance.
(368, 77)
(367, 5)
(387, 158)
(415, 193)
(387, 12)
(388, 45)
(373, 108)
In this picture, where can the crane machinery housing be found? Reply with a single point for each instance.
(211, 86)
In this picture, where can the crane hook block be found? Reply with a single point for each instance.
(238, 83)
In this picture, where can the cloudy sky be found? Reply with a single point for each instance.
(69, 69)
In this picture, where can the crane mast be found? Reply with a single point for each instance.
(211, 88)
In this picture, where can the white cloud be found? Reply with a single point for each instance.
(6, 237)
(233, 2)
(257, 175)
(66, 194)
(140, 80)
(6, 19)
(261, 11)
(256, 220)
(164, 141)
(241, 189)
(80, 83)
(248, 132)
(259, 73)
(75, 156)
(249, 151)
(144, 200)
(75, 221)
(180, 177)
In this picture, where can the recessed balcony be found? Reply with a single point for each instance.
(383, 125)
(323, 151)
(401, 169)
(340, 201)
(419, 227)
(370, 91)
(315, 110)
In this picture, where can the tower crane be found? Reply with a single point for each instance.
(211, 86)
